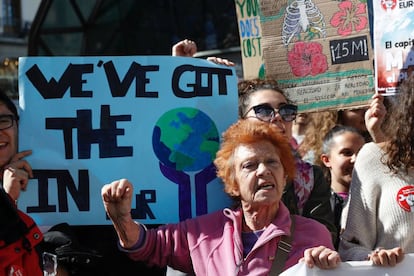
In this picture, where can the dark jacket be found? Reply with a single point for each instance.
(317, 205)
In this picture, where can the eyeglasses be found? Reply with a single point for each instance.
(265, 112)
(6, 121)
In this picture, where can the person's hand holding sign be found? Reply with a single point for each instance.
(387, 257)
(374, 117)
(16, 174)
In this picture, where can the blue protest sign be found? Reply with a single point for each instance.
(154, 120)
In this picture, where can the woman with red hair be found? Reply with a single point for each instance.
(255, 161)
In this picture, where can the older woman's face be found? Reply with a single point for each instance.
(259, 173)
(275, 99)
(8, 139)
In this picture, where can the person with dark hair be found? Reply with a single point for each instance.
(15, 170)
(340, 147)
(355, 117)
(255, 162)
(379, 215)
(20, 237)
(307, 194)
(22, 244)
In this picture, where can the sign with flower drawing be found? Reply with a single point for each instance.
(318, 50)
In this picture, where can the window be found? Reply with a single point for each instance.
(130, 27)
(10, 24)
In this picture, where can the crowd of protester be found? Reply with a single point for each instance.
(344, 176)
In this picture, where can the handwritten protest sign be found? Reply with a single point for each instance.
(363, 268)
(318, 50)
(248, 16)
(394, 43)
(156, 121)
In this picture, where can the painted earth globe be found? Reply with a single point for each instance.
(185, 139)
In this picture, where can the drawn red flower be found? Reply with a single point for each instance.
(306, 58)
(351, 16)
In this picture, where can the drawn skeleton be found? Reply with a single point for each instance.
(302, 16)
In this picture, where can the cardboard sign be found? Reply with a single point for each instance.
(250, 30)
(394, 43)
(156, 121)
(318, 50)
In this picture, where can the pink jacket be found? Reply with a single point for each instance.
(211, 244)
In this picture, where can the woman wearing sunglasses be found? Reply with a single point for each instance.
(309, 193)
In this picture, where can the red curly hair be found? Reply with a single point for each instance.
(249, 131)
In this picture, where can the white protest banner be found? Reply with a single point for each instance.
(363, 268)
(394, 43)
(155, 120)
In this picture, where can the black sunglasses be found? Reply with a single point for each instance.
(265, 112)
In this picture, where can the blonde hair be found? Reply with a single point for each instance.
(320, 123)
